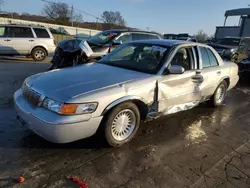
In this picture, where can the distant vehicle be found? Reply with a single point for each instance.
(69, 53)
(34, 41)
(136, 81)
(181, 36)
(234, 49)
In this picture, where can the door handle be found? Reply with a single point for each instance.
(31, 40)
(218, 73)
(7, 40)
(197, 79)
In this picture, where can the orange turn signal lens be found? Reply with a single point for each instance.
(68, 109)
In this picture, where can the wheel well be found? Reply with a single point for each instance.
(40, 47)
(228, 81)
(142, 107)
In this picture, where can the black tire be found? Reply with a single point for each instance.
(39, 54)
(215, 101)
(107, 131)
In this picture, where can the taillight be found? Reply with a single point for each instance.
(55, 43)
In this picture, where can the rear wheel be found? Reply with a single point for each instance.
(121, 124)
(39, 54)
(219, 95)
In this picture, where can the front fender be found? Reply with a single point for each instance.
(121, 100)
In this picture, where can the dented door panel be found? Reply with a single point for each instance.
(177, 90)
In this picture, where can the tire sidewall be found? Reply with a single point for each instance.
(215, 102)
(109, 120)
(34, 51)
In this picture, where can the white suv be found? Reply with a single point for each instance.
(37, 42)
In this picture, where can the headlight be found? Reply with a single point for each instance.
(230, 50)
(52, 105)
(69, 109)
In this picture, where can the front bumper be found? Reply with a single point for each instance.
(53, 127)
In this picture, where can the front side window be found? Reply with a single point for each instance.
(145, 58)
(125, 38)
(184, 58)
(20, 32)
(41, 33)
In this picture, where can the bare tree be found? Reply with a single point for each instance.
(113, 18)
(77, 17)
(60, 12)
(201, 36)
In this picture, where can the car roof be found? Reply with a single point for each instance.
(163, 42)
(132, 31)
(20, 25)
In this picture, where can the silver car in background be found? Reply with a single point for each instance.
(137, 81)
(34, 41)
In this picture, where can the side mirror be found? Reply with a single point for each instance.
(117, 42)
(176, 69)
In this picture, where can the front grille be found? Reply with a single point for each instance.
(33, 97)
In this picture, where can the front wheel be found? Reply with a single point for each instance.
(121, 124)
(219, 95)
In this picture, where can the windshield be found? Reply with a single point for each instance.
(140, 57)
(104, 37)
(229, 41)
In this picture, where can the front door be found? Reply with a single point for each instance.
(178, 92)
(20, 40)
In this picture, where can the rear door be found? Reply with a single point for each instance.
(210, 71)
(21, 40)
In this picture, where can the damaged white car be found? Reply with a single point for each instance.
(136, 81)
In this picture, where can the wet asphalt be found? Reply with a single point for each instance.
(202, 147)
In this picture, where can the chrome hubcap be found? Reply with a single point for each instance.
(123, 125)
(220, 94)
(39, 54)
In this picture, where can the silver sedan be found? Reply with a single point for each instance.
(135, 82)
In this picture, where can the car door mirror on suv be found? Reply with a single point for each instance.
(117, 42)
(176, 69)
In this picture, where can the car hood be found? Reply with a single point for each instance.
(220, 46)
(70, 82)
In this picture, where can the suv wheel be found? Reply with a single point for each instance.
(39, 54)
(219, 95)
(121, 124)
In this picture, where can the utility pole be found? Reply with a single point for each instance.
(72, 13)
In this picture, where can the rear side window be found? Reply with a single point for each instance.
(212, 58)
(139, 36)
(41, 33)
(20, 32)
(208, 58)
(2, 31)
(153, 37)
